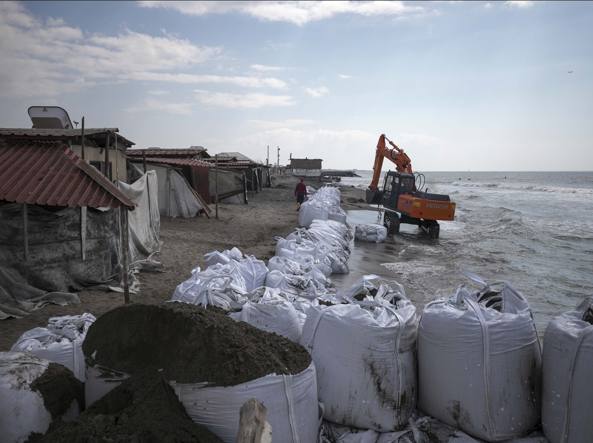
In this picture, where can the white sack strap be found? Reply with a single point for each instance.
(567, 410)
(486, 360)
(290, 408)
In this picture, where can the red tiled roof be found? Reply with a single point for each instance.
(49, 173)
(175, 161)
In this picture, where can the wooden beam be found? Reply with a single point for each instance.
(253, 427)
(83, 233)
(106, 160)
(26, 231)
(82, 139)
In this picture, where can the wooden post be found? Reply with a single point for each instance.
(83, 233)
(82, 139)
(106, 160)
(125, 247)
(253, 427)
(26, 230)
(216, 183)
(245, 188)
(144, 159)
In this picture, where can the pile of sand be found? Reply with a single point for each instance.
(144, 408)
(189, 344)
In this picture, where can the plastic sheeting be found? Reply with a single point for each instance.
(175, 196)
(60, 342)
(365, 359)
(370, 232)
(567, 416)
(144, 221)
(479, 363)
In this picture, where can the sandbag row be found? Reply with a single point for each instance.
(323, 205)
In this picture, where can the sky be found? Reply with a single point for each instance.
(480, 86)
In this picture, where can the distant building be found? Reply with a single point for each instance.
(306, 167)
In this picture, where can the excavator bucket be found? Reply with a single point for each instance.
(374, 196)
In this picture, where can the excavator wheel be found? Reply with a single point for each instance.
(433, 230)
(391, 222)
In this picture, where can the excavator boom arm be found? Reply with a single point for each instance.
(395, 154)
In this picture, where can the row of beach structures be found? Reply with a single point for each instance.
(278, 346)
(70, 197)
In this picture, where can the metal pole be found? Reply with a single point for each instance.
(268, 156)
(125, 249)
(216, 183)
(83, 233)
(278, 160)
(82, 139)
(144, 159)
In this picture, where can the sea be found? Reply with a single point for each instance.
(533, 230)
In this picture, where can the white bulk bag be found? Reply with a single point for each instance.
(61, 342)
(365, 361)
(291, 401)
(567, 403)
(272, 313)
(479, 367)
(22, 409)
(370, 232)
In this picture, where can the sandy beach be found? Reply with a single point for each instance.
(251, 228)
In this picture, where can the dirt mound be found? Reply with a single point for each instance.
(142, 409)
(190, 345)
(59, 388)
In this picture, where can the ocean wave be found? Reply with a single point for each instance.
(525, 187)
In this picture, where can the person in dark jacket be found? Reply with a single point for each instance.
(300, 192)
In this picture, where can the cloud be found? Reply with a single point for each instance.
(521, 4)
(266, 125)
(248, 100)
(344, 76)
(267, 68)
(157, 92)
(488, 5)
(161, 106)
(242, 81)
(317, 92)
(47, 58)
(295, 12)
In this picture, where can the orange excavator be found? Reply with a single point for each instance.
(402, 196)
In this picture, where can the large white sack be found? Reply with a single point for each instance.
(251, 269)
(22, 409)
(61, 342)
(291, 401)
(272, 313)
(478, 367)
(370, 232)
(219, 285)
(567, 403)
(365, 361)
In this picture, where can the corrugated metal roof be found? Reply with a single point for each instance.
(61, 133)
(166, 152)
(175, 161)
(51, 174)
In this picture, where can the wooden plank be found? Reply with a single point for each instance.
(253, 427)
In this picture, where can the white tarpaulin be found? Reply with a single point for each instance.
(144, 221)
(176, 196)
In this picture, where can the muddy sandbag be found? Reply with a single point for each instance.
(479, 363)
(144, 408)
(33, 393)
(59, 342)
(214, 364)
(370, 233)
(567, 403)
(364, 354)
(272, 313)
